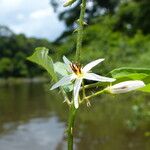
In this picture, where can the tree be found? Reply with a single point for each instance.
(14, 50)
(132, 16)
(96, 8)
(129, 16)
(5, 31)
(6, 67)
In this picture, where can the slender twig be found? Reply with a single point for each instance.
(87, 98)
(94, 85)
(95, 94)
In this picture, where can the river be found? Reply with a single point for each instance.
(34, 118)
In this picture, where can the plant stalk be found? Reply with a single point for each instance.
(71, 120)
(73, 110)
(80, 31)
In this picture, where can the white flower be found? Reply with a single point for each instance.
(77, 73)
(124, 87)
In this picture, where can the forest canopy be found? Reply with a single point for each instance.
(14, 49)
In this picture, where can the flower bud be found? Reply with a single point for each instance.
(68, 3)
(124, 87)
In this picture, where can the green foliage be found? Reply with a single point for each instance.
(118, 49)
(128, 16)
(72, 13)
(127, 73)
(5, 66)
(133, 16)
(56, 70)
(14, 50)
(131, 73)
(40, 57)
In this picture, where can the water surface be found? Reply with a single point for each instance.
(33, 118)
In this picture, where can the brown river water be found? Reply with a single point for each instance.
(34, 118)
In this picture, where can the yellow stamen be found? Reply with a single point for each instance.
(76, 68)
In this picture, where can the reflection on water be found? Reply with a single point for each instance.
(37, 134)
(33, 118)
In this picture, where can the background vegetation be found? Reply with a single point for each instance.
(119, 31)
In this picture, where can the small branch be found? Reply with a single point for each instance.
(84, 95)
(94, 95)
(93, 85)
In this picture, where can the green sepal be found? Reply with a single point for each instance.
(145, 89)
(61, 70)
(69, 2)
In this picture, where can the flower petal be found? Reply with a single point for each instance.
(124, 87)
(95, 77)
(67, 62)
(64, 81)
(76, 92)
(90, 65)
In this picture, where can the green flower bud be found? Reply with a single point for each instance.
(69, 2)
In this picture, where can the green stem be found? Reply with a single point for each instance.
(80, 31)
(94, 85)
(72, 114)
(95, 94)
(83, 90)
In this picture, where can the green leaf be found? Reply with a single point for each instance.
(146, 88)
(57, 70)
(131, 73)
(40, 57)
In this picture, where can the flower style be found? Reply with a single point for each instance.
(78, 73)
(124, 87)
